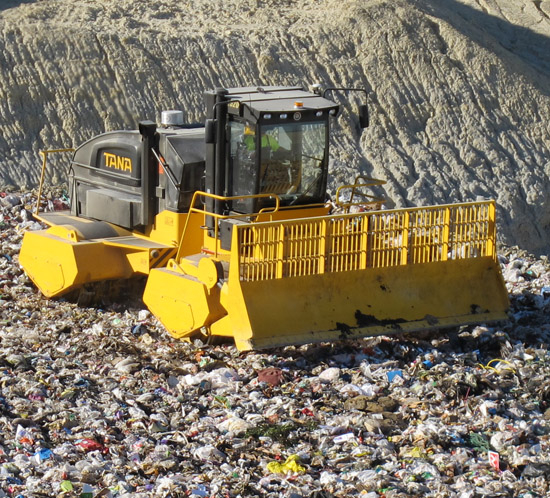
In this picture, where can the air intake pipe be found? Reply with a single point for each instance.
(147, 130)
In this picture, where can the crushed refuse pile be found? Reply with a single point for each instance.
(101, 401)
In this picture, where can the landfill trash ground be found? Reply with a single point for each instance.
(101, 401)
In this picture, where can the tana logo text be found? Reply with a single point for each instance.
(118, 162)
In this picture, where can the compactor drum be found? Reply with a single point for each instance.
(229, 223)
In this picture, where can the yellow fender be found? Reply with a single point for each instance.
(186, 297)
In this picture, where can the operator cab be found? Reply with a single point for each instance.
(287, 159)
(276, 142)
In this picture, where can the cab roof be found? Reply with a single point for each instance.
(270, 99)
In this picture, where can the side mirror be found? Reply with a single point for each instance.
(210, 131)
(363, 116)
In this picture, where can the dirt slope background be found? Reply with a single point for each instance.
(458, 89)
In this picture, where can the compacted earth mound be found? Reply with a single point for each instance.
(458, 89)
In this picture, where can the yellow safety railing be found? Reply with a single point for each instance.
(366, 198)
(374, 239)
(44, 154)
(198, 194)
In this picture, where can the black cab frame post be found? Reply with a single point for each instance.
(215, 151)
(221, 146)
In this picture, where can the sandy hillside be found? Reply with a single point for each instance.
(458, 90)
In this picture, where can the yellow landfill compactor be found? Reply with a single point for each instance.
(230, 223)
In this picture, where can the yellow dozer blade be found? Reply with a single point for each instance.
(339, 276)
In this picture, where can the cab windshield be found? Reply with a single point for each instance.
(284, 159)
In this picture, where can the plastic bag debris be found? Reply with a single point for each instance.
(395, 375)
(330, 374)
(290, 466)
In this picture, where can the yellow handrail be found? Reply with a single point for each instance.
(370, 182)
(193, 209)
(44, 154)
